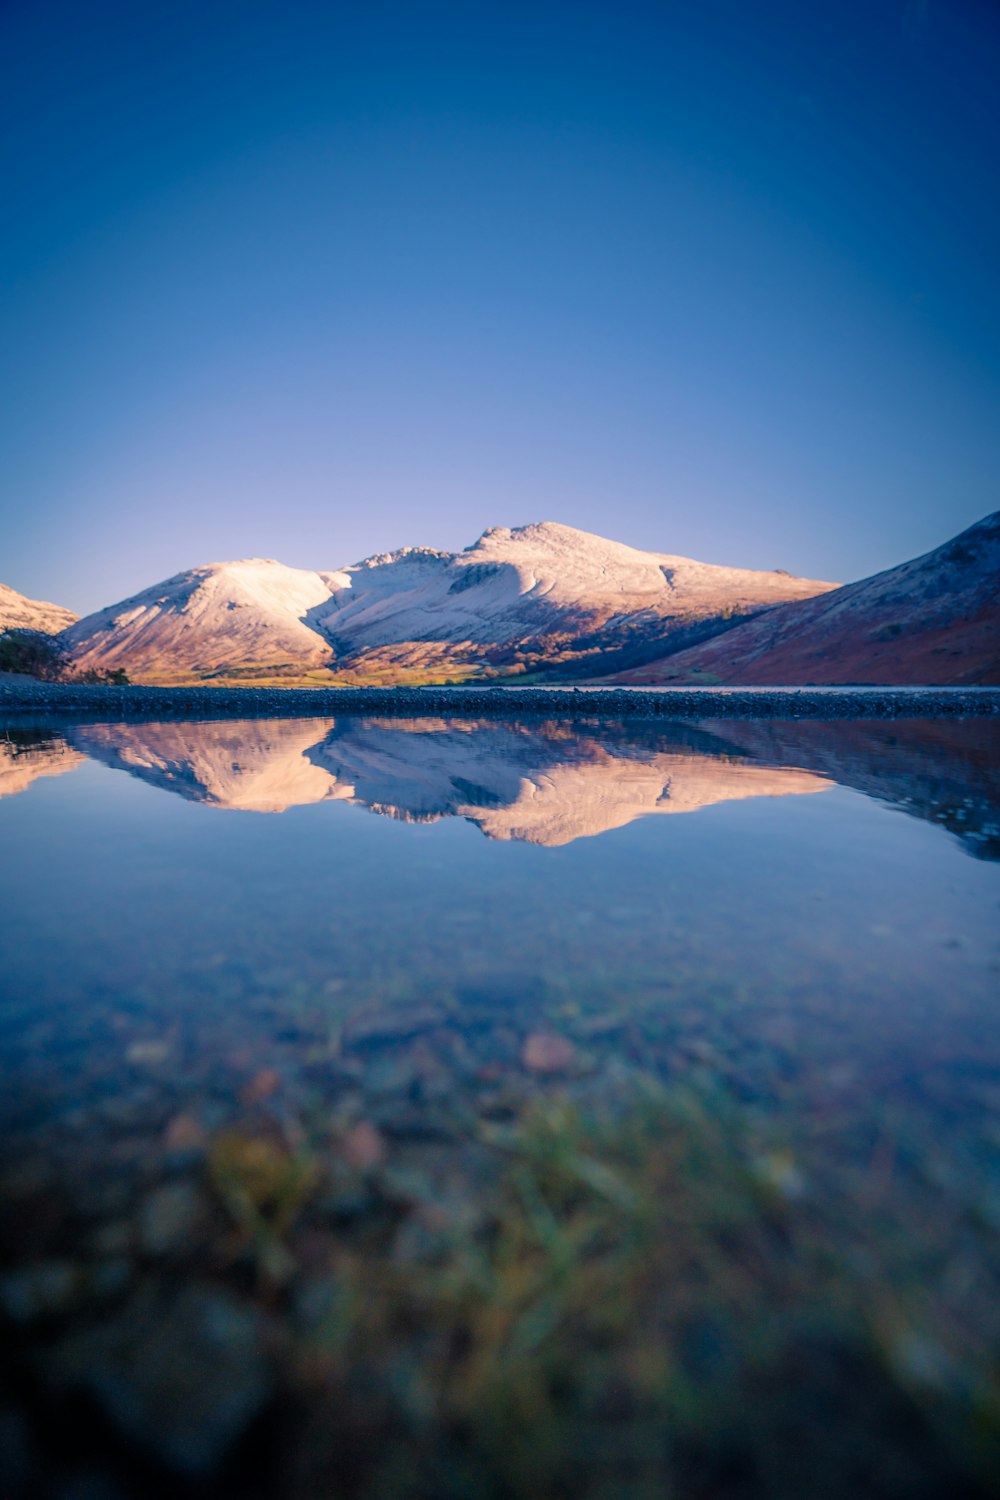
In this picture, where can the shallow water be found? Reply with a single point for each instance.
(375, 920)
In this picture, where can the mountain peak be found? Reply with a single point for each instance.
(18, 612)
(539, 533)
(518, 598)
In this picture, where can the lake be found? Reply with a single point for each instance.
(470, 1107)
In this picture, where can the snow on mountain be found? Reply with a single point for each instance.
(245, 615)
(518, 584)
(17, 612)
(932, 620)
(527, 596)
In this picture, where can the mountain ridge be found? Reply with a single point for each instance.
(546, 602)
(18, 612)
(932, 620)
(516, 599)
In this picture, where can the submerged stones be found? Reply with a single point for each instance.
(170, 1218)
(181, 1372)
(548, 1052)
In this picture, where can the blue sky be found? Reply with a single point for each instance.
(311, 281)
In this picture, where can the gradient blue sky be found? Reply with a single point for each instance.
(311, 281)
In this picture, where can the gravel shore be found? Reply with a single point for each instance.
(562, 702)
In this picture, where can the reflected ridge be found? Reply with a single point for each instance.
(541, 782)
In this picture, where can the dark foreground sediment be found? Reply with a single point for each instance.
(414, 1260)
(135, 701)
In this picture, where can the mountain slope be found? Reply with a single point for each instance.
(934, 620)
(531, 597)
(17, 612)
(240, 615)
(525, 583)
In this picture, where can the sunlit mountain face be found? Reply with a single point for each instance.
(934, 619)
(538, 782)
(544, 596)
(17, 612)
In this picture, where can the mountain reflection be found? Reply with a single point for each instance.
(541, 782)
(26, 754)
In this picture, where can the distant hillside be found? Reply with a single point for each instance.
(17, 612)
(933, 621)
(246, 616)
(543, 598)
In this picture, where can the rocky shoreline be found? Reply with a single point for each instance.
(136, 701)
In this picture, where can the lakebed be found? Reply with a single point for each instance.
(480, 1100)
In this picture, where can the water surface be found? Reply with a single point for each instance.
(377, 942)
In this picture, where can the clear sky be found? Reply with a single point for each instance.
(311, 281)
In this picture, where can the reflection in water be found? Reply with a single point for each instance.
(537, 783)
(26, 754)
(541, 782)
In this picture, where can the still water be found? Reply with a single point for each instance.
(371, 945)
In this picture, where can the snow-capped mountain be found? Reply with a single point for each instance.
(517, 598)
(932, 620)
(250, 615)
(17, 612)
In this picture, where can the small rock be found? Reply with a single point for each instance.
(363, 1146)
(109, 1278)
(402, 1120)
(777, 1170)
(391, 1074)
(182, 1376)
(169, 1217)
(313, 1301)
(263, 1086)
(547, 1052)
(921, 1360)
(148, 1053)
(40, 1291)
(392, 1025)
(602, 1025)
(111, 1239)
(184, 1133)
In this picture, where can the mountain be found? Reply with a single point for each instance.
(17, 612)
(934, 620)
(249, 616)
(534, 597)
